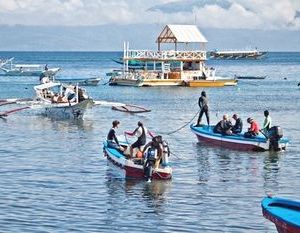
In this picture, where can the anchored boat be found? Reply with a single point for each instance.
(284, 213)
(178, 67)
(133, 168)
(206, 135)
(237, 54)
(11, 69)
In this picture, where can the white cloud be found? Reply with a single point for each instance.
(258, 14)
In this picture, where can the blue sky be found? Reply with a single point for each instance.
(265, 15)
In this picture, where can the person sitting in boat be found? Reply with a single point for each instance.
(238, 126)
(253, 131)
(112, 140)
(69, 94)
(267, 122)
(224, 126)
(141, 132)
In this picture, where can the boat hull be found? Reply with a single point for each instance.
(66, 111)
(128, 169)
(284, 213)
(211, 83)
(236, 142)
(80, 82)
(145, 82)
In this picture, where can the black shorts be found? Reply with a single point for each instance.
(137, 144)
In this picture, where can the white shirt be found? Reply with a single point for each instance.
(139, 132)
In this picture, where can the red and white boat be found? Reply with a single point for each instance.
(133, 168)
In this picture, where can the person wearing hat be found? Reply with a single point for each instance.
(253, 130)
(141, 132)
(203, 105)
(238, 126)
(112, 140)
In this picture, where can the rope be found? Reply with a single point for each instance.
(180, 128)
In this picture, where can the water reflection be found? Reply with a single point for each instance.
(271, 172)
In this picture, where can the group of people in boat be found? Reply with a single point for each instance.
(153, 153)
(226, 127)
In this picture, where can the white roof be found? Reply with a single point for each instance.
(46, 86)
(181, 34)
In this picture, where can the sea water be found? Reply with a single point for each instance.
(54, 177)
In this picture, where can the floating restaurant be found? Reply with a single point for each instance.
(184, 67)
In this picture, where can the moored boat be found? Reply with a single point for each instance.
(80, 81)
(237, 54)
(250, 77)
(133, 168)
(284, 213)
(206, 135)
(182, 67)
(11, 69)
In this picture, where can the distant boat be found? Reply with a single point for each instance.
(237, 54)
(284, 213)
(130, 108)
(11, 69)
(250, 77)
(80, 81)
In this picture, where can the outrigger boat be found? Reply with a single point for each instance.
(250, 77)
(62, 101)
(237, 54)
(206, 135)
(80, 81)
(284, 213)
(171, 67)
(11, 69)
(133, 168)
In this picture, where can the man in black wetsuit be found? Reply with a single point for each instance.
(112, 140)
(238, 126)
(203, 105)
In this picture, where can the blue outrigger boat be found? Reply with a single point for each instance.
(205, 134)
(284, 213)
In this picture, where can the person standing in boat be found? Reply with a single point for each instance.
(253, 131)
(203, 105)
(267, 122)
(141, 132)
(238, 126)
(112, 140)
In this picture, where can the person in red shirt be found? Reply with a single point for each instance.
(253, 130)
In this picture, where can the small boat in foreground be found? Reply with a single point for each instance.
(284, 213)
(205, 134)
(133, 168)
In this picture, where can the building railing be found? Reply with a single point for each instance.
(164, 55)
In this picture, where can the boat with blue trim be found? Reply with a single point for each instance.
(205, 134)
(284, 213)
(133, 167)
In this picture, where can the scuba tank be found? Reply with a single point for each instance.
(166, 153)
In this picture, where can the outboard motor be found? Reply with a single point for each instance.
(275, 134)
(151, 157)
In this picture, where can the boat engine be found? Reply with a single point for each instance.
(275, 134)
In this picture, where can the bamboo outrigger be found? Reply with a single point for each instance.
(171, 67)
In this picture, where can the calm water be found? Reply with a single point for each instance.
(54, 178)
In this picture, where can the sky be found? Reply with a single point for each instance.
(271, 16)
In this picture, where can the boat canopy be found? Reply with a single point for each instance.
(46, 86)
(180, 34)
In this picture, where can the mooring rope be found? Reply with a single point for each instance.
(180, 128)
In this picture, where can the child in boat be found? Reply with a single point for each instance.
(112, 140)
(141, 132)
(253, 131)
